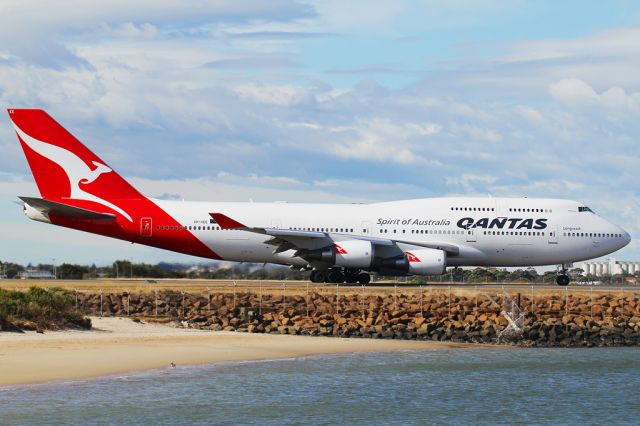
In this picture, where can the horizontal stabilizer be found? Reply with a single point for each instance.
(46, 207)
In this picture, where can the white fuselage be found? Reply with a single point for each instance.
(485, 231)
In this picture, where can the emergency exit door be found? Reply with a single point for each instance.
(471, 235)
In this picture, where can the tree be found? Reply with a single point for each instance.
(11, 270)
(68, 271)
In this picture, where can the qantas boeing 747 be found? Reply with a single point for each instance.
(336, 242)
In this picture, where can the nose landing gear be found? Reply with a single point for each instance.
(562, 278)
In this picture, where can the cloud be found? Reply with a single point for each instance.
(278, 35)
(253, 62)
(524, 69)
(382, 140)
(473, 132)
(228, 187)
(472, 184)
(283, 95)
(131, 30)
(612, 104)
(36, 35)
(370, 70)
(608, 44)
(574, 92)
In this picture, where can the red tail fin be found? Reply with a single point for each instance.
(65, 169)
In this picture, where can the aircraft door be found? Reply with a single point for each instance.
(276, 223)
(471, 235)
(501, 207)
(146, 228)
(553, 234)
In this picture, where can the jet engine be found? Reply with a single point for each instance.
(423, 261)
(348, 254)
(426, 261)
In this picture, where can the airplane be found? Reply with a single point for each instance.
(337, 243)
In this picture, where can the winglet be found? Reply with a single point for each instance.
(226, 222)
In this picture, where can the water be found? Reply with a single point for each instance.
(468, 386)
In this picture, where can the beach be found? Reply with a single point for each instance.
(119, 345)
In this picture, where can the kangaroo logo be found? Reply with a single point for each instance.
(340, 250)
(77, 171)
(412, 257)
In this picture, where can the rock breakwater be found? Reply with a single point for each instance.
(602, 319)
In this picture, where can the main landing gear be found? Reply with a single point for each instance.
(562, 278)
(339, 276)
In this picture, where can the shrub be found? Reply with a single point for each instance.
(51, 308)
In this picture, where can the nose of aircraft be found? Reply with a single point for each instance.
(626, 238)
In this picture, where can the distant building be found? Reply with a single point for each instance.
(611, 267)
(36, 274)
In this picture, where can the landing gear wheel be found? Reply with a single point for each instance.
(562, 280)
(318, 276)
(351, 278)
(336, 277)
(364, 278)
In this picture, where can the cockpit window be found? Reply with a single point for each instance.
(585, 209)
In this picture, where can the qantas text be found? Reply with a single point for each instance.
(502, 223)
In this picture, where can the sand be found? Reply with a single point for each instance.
(119, 345)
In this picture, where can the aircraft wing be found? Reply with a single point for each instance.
(286, 239)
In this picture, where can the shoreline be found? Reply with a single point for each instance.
(119, 345)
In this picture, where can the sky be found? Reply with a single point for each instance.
(326, 101)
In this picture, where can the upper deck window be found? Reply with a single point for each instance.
(585, 209)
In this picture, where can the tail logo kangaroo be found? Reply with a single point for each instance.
(77, 171)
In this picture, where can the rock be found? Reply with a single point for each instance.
(567, 319)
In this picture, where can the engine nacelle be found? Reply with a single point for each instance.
(35, 214)
(347, 254)
(426, 261)
(354, 253)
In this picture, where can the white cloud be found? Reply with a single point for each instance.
(282, 95)
(468, 131)
(532, 115)
(381, 140)
(472, 184)
(614, 102)
(131, 30)
(611, 43)
(573, 92)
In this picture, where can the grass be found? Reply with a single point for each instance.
(39, 309)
